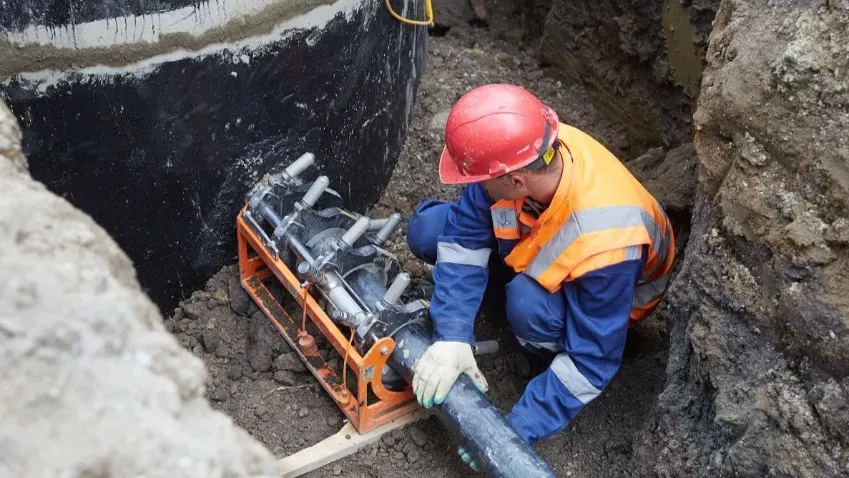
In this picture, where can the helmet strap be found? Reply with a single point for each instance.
(547, 153)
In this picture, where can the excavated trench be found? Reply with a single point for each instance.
(742, 392)
(252, 376)
(255, 378)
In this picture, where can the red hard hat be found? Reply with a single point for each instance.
(493, 130)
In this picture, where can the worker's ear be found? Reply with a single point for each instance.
(516, 180)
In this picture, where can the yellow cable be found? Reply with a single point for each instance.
(428, 21)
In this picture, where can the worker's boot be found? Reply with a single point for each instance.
(538, 362)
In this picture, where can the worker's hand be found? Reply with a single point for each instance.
(438, 369)
(467, 458)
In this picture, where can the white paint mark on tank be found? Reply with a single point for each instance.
(132, 29)
(319, 17)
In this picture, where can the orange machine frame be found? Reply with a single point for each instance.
(256, 264)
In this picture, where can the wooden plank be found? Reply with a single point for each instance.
(343, 443)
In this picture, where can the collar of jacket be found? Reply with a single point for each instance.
(561, 196)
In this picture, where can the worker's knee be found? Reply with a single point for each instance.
(425, 227)
(536, 316)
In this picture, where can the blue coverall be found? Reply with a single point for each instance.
(579, 330)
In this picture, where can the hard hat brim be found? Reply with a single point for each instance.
(449, 173)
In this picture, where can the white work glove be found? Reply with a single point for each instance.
(438, 369)
(467, 458)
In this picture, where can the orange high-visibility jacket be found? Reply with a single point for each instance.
(599, 207)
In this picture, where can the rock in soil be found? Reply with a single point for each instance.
(285, 377)
(418, 437)
(264, 343)
(219, 394)
(289, 362)
(194, 309)
(234, 372)
(209, 340)
(240, 301)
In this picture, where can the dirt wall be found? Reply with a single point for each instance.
(641, 61)
(93, 384)
(759, 370)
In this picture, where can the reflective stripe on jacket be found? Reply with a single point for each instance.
(598, 207)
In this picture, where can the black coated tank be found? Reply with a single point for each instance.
(157, 116)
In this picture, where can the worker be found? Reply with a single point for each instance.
(591, 250)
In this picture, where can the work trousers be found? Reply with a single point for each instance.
(535, 315)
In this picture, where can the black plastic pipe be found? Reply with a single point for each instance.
(367, 287)
(468, 414)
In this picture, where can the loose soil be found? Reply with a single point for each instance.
(256, 379)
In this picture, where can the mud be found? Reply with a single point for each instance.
(21, 58)
(257, 380)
